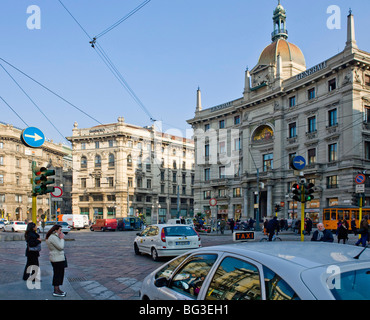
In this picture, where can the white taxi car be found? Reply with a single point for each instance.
(264, 271)
(166, 240)
(15, 226)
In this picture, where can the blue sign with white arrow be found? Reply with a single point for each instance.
(33, 137)
(298, 163)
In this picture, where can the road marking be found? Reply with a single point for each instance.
(98, 291)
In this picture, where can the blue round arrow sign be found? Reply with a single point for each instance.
(33, 137)
(299, 162)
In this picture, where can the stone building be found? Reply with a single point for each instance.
(123, 170)
(16, 173)
(243, 147)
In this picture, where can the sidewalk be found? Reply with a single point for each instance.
(16, 288)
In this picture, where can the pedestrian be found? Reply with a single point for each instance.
(342, 231)
(232, 225)
(321, 234)
(32, 250)
(55, 242)
(222, 226)
(272, 225)
(353, 226)
(308, 226)
(265, 223)
(364, 232)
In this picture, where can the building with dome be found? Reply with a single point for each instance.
(243, 147)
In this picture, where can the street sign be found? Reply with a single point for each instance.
(33, 137)
(360, 178)
(360, 188)
(298, 163)
(58, 192)
(243, 235)
(213, 202)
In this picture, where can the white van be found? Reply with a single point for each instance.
(76, 221)
(185, 221)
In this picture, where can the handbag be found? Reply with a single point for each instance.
(37, 248)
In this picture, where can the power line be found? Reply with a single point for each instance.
(14, 111)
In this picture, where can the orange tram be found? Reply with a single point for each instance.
(332, 215)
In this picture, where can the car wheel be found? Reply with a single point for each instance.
(155, 254)
(136, 249)
(91, 229)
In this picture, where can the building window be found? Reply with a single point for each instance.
(367, 114)
(332, 182)
(97, 145)
(110, 182)
(312, 125)
(207, 195)
(98, 161)
(207, 174)
(97, 182)
(332, 85)
(174, 176)
(129, 160)
(292, 130)
(174, 164)
(333, 118)
(311, 156)
(83, 145)
(222, 193)
(111, 160)
(292, 102)
(83, 162)
(367, 80)
(111, 143)
(206, 127)
(311, 94)
(237, 192)
(268, 162)
(129, 182)
(237, 145)
(367, 150)
(222, 124)
(139, 182)
(83, 183)
(148, 183)
(237, 120)
(1, 179)
(221, 171)
(222, 147)
(206, 150)
(333, 152)
(162, 188)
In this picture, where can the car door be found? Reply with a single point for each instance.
(152, 239)
(187, 282)
(141, 240)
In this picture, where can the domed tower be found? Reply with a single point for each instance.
(280, 60)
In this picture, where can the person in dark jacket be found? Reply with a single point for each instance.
(342, 231)
(353, 226)
(32, 250)
(272, 225)
(308, 226)
(321, 234)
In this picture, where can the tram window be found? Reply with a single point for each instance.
(356, 214)
(340, 214)
(346, 214)
(333, 214)
(327, 214)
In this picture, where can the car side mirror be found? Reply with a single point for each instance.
(161, 282)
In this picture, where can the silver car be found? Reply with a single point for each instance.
(49, 224)
(264, 271)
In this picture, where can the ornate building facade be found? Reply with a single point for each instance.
(122, 170)
(243, 147)
(16, 173)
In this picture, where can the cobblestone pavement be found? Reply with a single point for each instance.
(101, 265)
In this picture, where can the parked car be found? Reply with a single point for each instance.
(2, 225)
(264, 271)
(166, 240)
(76, 221)
(104, 224)
(186, 221)
(129, 223)
(15, 226)
(49, 224)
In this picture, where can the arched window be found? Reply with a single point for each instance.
(129, 161)
(111, 160)
(83, 162)
(97, 161)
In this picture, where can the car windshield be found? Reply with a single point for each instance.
(63, 224)
(353, 285)
(179, 231)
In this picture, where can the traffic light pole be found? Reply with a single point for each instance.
(302, 221)
(360, 216)
(34, 209)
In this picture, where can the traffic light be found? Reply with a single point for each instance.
(277, 208)
(309, 192)
(297, 192)
(40, 180)
(355, 199)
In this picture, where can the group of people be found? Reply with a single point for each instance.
(55, 243)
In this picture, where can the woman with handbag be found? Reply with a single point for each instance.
(55, 242)
(32, 250)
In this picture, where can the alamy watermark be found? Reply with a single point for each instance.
(34, 280)
(34, 20)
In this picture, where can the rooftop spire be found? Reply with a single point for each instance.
(199, 101)
(279, 18)
(351, 35)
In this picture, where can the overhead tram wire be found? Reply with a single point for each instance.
(107, 61)
(14, 111)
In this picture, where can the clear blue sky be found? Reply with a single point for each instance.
(164, 52)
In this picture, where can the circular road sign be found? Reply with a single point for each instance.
(360, 179)
(58, 192)
(298, 163)
(212, 202)
(33, 137)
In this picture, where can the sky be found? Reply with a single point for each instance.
(164, 52)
